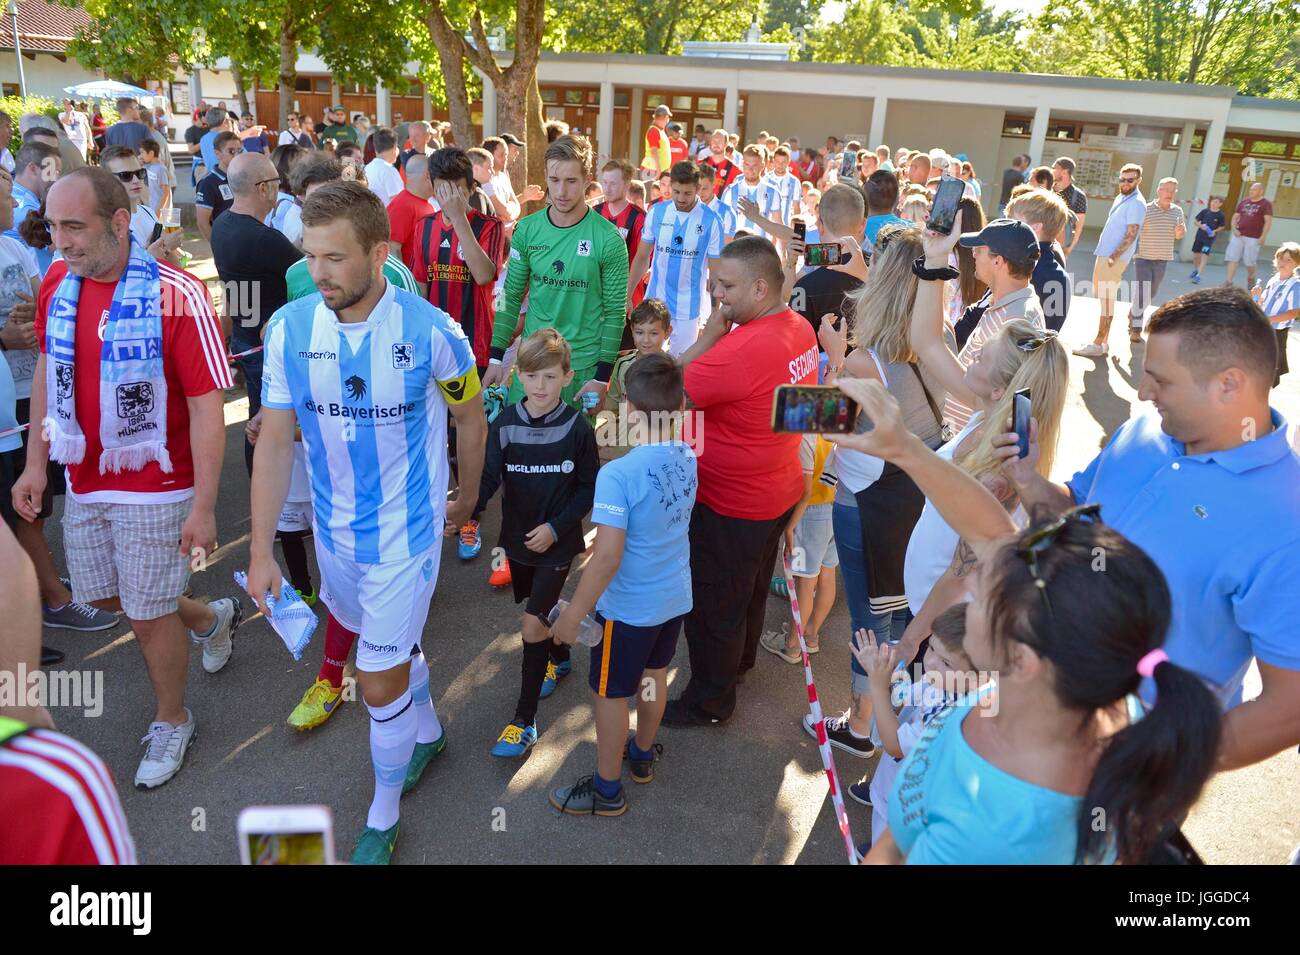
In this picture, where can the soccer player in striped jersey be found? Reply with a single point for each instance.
(617, 208)
(785, 183)
(369, 372)
(719, 160)
(684, 236)
(709, 197)
(754, 187)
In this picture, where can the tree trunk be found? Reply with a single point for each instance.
(240, 89)
(288, 70)
(452, 60)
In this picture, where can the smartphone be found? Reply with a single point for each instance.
(286, 835)
(943, 213)
(823, 253)
(848, 164)
(1021, 409)
(812, 409)
(800, 229)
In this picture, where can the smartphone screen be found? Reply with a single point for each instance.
(823, 253)
(800, 229)
(286, 848)
(1021, 410)
(946, 201)
(812, 409)
(848, 164)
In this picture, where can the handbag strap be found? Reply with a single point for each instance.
(929, 399)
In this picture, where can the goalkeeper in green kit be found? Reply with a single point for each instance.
(573, 264)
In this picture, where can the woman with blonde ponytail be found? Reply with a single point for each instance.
(1022, 356)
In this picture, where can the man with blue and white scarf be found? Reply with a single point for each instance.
(129, 387)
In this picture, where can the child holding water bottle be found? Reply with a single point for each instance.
(639, 584)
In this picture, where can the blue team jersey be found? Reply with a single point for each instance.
(725, 213)
(683, 244)
(371, 399)
(761, 192)
(788, 191)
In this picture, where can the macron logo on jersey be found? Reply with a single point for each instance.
(319, 355)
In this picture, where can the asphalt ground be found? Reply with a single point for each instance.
(751, 790)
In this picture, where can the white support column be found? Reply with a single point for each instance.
(1184, 152)
(1204, 177)
(605, 122)
(489, 107)
(879, 106)
(1038, 135)
(636, 128)
(426, 104)
(196, 87)
(383, 105)
(731, 109)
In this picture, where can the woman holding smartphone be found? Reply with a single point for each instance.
(938, 563)
(876, 504)
(1052, 762)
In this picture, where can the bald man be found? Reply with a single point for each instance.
(251, 260)
(411, 205)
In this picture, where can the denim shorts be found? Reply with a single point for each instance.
(814, 542)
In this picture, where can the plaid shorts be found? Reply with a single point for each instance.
(129, 551)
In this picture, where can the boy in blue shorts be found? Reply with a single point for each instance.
(639, 583)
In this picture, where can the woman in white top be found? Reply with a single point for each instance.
(1023, 356)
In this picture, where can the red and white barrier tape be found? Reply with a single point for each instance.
(245, 354)
(815, 708)
(10, 431)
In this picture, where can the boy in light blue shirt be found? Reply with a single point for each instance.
(639, 583)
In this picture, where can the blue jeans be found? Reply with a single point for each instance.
(853, 565)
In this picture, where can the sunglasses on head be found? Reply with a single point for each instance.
(1036, 342)
(130, 174)
(1037, 541)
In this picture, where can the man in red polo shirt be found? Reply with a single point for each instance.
(750, 478)
(409, 206)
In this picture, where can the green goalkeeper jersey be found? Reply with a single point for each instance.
(576, 280)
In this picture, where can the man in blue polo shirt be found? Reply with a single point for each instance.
(1208, 487)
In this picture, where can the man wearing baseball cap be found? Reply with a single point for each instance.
(1005, 253)
(658, 154)
(338, 129)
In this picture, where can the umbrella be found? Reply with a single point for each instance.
(106, 89)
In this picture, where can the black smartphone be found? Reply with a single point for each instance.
(800, 229)
(848, 164)
(823, 253)
(947, 199)
(813, 409)
(1021, 410)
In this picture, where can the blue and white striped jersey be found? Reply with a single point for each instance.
(725, 213)
(789, 191)
(761, 192)
(683, 244)
(371, 398)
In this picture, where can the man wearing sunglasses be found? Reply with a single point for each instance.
(1115, 247)
(126, 167)
(1206, 485)
(251, 260)
(213, 195)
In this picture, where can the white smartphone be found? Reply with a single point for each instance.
(286, 835)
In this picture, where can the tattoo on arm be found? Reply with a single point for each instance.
(963, 559)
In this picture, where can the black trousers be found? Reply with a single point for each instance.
(731, 570)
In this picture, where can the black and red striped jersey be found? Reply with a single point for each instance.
(440, 264)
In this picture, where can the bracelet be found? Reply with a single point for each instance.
(933, 275)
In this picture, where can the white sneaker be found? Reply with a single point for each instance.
(167, 747)
(217, 648)
(1092, 350)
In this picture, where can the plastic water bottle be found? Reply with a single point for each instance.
(590, 632)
